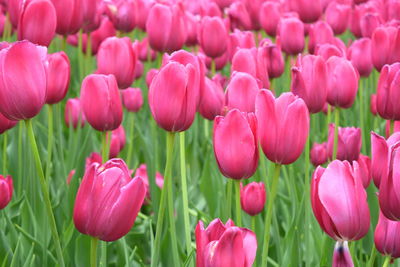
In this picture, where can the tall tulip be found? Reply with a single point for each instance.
(385, 46)
(69, 20)
(291, 34)
(252, 197)
(6, 190)
(122, 13)
(337, 15)
(241, 92)
(132, 99)
(73, 113)
(211, 99)
(349, 143)
(58, 71)
(387, 97)
(387, 236)
(359, 53)
(213, 36)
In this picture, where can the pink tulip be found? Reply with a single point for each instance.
(320, 33)
(276, 120)
(240, 39)
(223, 3)
(319, 154)
(337, 15)
(104, 114)
(92, 13)
(94, 157)
(141, 17)
(252, 198)
(387, 236)
(192, 25)
(108, 201)
(132, 99)
(309, 81)
(143, 50)
(6, 124)
(270, 14)
(241, 92)
(210, 9)
(213, 36)
(385, 46)
(238, 131)
(58, 71)
(364, 162)
(339, 201)
(373, 105)
(141, 171)
(274, 60)
(239, 16)
(224, 245)
(14, 10)
(349, 143)
(291, 34)
(309, 11)
(118, 140)
(116, 56)
(122, 13)
(327, 51)
(150, 76)
(369, 22)
(173, 96)
(69, 20)
(359, 53)
(22, 80)
(73, 113)
(341, 255)
(342, 82)
(396, 128)
(387, 97)
(37, 22)
(6, 190)
(211, 99)
(139, 68)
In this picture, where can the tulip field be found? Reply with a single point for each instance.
(200, 133)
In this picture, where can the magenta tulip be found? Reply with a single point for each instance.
(6, 124)
(69, 20)
(118, 141)
(94, 157)
(388, 96)
(274, 60)
(319, 154)
(240, 39)
(239, 16)
(337, 16)
(276, 120)
(385, 46)
(211, 99)
(319, 33)
(192, 25)
(122, 13)
(349, 143)
(6, 190)
(387, 236)
(213, 36)
(104, 114)
(309, 11)
(369, 22)
(341, 255)
(252, 198)
(58, 71)
(210, 9)
(132, 99)
(359, 53)
(241, 92)
(327, 51)
(92, 13)
(108, 201)
(143, 50)
(291, 34)
(141, 17)
(150, 76)
(73, 113)
(270, 14)
(364, 162)
(339, 201)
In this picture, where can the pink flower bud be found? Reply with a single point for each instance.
(211, 99)
(387, 97)
(73, 113)
(337, 15)
(385, 46)
(213, 36)
(122, 13)
(141, 171)
(6, 124)
(349, 143)
(69, 20)
(58, 76)
(320, 33)
(6, 190)
(241, 92)
(132, 99)
(359, 53)
(252, 198)
(270, 14)
(309, 11)
(387, 236)
(291, 34)
(318, 154)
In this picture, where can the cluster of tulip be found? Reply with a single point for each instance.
(273, 76)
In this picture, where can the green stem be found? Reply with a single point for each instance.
(164, 192)
(335, 137)
(93, 251)
(88, 53)
(268, 216)
(49, 140)
(328, 120)
(361, 101)
(185, 193)
(391, 127)
(238, 207)
(106, 146)
(229, 198)
(253, 224)
(63, 43)
(5, 153)
(103, 258)
(80, 59)
(213, 67)
(131, 133)
(45, 191)
(387, 261)
(159, 59)
(372, 257)
(206, 130)
(20, 126)
(307, 228)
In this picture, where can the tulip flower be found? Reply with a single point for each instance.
(73, 113)
(276, 120)
(339, 201)
(270, 14)
(395, 128)
(22, 98)
(141, 17)
(274, 60)
(372, 105)
(192, 25)
(118, 141)
(319, 33)
(6, 190)
(91, 14)
(94, 157)
(241, 92)
(337, 16)
(116, 56)
(359, 53)
(364, 162)
(309, 81)
(387, 236)
(369, 22)
(173, 96)
(387, 98)
(252, 198)
(223, 3)
(37, 22)
(318, 154)
(327, 51)
(104, 114)
(6, 124)
(239, 16)
(341, 255)
(210, 9)
(141, 171)
(219, 62)
(307, 10)
(213, 36)
(122, 13)
(132, 99)
(291, 34)
(143, 50)
(211, 99)
(240, 39)
(108, 201)
(224, 245)
(349, 143)
(69, 20)
(342, 82)
(58, 71)
(385, 46)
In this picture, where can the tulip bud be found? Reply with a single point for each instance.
(339, 201)
(141, 17)
(387, 236)
(224, 245)
(291, 34)
(104, 114)
(240, 39)
(373, 105)
(92, 12)
(241, 92)
(108, 201)
(368, 23)
(360, 55)
(341, 255)
(58, 75)
(385, 46)
(93, 158)
(6, 124)
(118, 140)
(143, 50)
(6, 190)
(238, 131)
(132, 99)
(276, 120)
(37, 22)
(192, 25)
(387, 97)
(22, 99)
(274, 60)
(337, 15)
(270, 14)
(318, 154)
(123, 15)
(213, 36)
(211, 99)
(252, 198)
(150, 76)
(309, 81)
(141, 171)
(348, 145)
(327, 51)
(319, 33)
(69, 20)
(309, 11)
(210, 9)
(239, 16)
(364, 162)
(73, 113)
(342, 82)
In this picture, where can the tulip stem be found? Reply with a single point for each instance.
(45, 191)
(49, 140)
(391, 127)
(307, 200)
(328, 120)
(361, 100)
(206, 131)
(387, 261)
(20, 129)
(185, 193)
(5, 153)
(229, 198)
(88, 52)
(372, 257)
(93, 251)
(268, 216)
(80, 59)
(238, 207)
(131, 132)
(253, 224)
(106, 148)
(335, 137)
(213, 67)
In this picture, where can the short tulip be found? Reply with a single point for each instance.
(385, 46)
(58, 71)
(349, 143)
(387, 236)
(123, 15)
(141, 171)
(319, 33)
(118, 141)
(318, 154)
(307, 10)
(73, 113)
(132, 99)
(275, 63)
(211, 99)
(241, 92)
(387, 97)
(338, 15)
(252, 198)
(291, 34)
(6, 190)
(213, 36)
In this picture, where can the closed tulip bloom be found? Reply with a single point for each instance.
(337, 15)
(318, 154)
(241, 92)
(6, 124)
(141, 17)
(239, 16)
(223, 3)
(73, 113)
(143, 50)
(22, 99)
(173, 96)
(359, 53)
(116, 56)
(37, 22)
(91, 14)
(150, 76)
(341, 255)
(211, 99)
(372, 105)
(387, 97)
(6, 190)
(270, 14)
(118, 141)
(291, 34)
(224, 245)
(387, 237)
(238, 131)
(213, 36)
(309, 81)
(240, 39)
(342, 82)
(192, 25)
(339, 201)
(349, 143)
(385, 46)
(252, 197)
(275, 63)
(69, 20)
(132, 99)
(369, 22)
(14, 10)
(58, 70)
(211, 9)
(104, 114)
(319, 33)
(309, 11)
(364, 162)
(122, 13)
(108, 201)
(276, 120)
(327, 51)
(141, 171)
